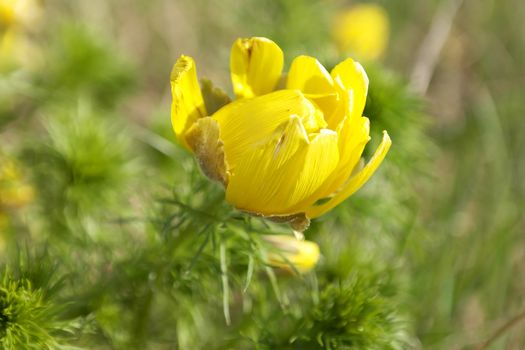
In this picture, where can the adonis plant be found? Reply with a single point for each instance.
(305, 199)
(289, 146)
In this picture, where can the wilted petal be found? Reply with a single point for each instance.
(203, 139)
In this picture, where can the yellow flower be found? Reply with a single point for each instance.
(18, 13)
(17, 19)
(14, 193)
(290, 253)
(362, 30)
(290, 152)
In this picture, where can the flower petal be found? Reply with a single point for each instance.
(188, 104)
(273, 179)
(308, 75)
(351, 78)
(353, 135)
(265, 176)
(203, 139)
(355, 182)
(321, 160)
(256, 65)
(248, 123)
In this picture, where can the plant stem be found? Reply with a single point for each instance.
(502, 330)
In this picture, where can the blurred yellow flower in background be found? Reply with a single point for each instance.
(292, 254)
(289, 147)
(21, 13)
(362, 30)
(17, 19)
(14, 192)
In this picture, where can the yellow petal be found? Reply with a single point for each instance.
(256, 65)
(355, 182)
(278, 175)
(188, 104)
(264, 177)
(321, 160)
(353, 136)
(308, 75)
(351, 79)
(248, 123)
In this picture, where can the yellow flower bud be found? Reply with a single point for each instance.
(292, 153)
(290, 253)
(362, 30)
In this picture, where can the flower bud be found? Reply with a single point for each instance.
(292, 254)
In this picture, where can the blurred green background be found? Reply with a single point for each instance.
(104, 217)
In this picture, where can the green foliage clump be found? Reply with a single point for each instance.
(81, 63)
(353, 314)
(82, 164)
(26, 317)
(91, 150)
